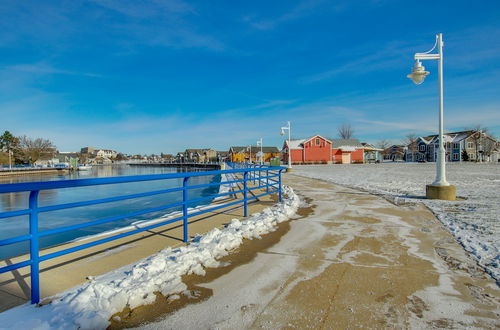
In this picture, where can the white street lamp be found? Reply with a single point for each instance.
(440, 188)
(259, 143)
(289, 128)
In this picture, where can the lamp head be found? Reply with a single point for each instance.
(418, 73)
(282, 132)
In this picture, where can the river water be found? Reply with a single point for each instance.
(16, 226)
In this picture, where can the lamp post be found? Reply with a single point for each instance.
(289, 128)
(259, 143)
(440, 188)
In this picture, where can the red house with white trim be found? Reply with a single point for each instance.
(320, 150)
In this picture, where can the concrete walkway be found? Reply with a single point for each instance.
(60, 274)
(354, 261)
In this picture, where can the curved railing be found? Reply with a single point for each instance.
(241, 175)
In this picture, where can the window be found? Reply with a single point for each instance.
(455, 156)
(469, 145)
(317, 141)
(421, 147)
(456, 145)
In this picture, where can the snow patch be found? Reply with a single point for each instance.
(473, 221)
(90, 305)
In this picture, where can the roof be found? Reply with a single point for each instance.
(317, 135)
(370, 147)
(338, 143)
(254, 149)
(237, 149)
(199, 150)
(454, 137)
(296, 144)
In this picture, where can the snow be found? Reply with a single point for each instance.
(473, 221)
(90, 305)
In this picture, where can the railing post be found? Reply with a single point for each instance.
(245, 204)
(34, 247)
(279, 187)
(267, 180)
(185, 209)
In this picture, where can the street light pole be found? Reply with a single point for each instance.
(440, 188)
(259, 143)
(289, 128)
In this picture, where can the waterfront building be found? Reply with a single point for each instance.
(105, 153)
(320, 150)
(87, 150)
(472, 145)
(199, 155)
(252, 154)
(395, 153)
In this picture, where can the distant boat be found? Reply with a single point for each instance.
(84, 167)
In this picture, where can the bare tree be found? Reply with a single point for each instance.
(483, 143)
(345, 131)
(409, 139)
(34, 149)
(383, 144)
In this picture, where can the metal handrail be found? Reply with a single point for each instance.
(249, 172)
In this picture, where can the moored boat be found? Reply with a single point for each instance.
(84, 167)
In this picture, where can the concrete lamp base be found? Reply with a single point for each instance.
(288, 169)
(448, 193)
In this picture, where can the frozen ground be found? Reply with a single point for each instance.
(473, 221)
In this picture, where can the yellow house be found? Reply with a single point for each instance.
(252, 154)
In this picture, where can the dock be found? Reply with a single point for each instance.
(212, 166)
(32, 171)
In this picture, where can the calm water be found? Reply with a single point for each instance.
(12, 227)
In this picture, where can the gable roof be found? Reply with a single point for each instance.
(254, 149)
(237, 149)
(295, 144)
(337, 143)
(315, 136)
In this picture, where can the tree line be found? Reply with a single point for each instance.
(18, 150)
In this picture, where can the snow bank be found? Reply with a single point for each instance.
(473, 222)
(90, 305)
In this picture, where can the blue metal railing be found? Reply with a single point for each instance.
(249, 173)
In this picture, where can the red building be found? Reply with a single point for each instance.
(320, 150)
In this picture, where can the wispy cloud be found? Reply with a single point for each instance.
(364, 60)
(302, 9)
(159, 23)
(125, 24)
(146, 9)
(47, 69)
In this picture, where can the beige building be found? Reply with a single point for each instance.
(198, 156)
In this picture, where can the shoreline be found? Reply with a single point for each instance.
(31, 171)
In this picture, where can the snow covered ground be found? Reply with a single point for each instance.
(474, 221)
(90, 305)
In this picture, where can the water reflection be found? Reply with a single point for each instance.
(19, 225)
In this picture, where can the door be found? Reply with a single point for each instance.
(346, 158)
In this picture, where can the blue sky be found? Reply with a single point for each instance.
(161, 76)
